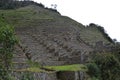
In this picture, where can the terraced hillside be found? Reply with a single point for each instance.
(32, 16)
(92, 35)
(52, 39)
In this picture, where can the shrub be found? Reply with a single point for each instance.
(93, 70)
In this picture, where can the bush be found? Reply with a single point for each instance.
(93, 70)
(109, 65)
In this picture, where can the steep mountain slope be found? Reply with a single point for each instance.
(52, 39)
(39, 16)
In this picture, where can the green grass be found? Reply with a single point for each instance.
(74, 67)
(47, 69)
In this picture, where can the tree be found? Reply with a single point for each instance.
(54, 6)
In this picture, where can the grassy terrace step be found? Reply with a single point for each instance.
(55, 63)
(20, 62)
(74, 67)
(19, 57)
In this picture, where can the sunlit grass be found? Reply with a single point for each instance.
(47, 69)
(74, 67)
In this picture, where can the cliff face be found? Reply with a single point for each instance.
(51, 39)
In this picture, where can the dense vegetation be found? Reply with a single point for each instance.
(7, 43)
(105, 65)
(13, 4)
